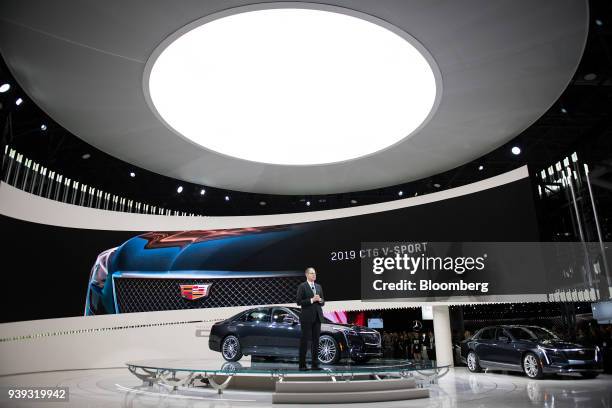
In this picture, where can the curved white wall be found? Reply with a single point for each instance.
(109, 341)
(28, 207)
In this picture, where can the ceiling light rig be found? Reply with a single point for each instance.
(297, 100)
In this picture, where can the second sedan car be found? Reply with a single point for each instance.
(275, 332)
(531, 349)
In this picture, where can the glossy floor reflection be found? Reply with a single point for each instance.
(459, 388)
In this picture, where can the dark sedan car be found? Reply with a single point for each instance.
(531, 349)
(275, 332)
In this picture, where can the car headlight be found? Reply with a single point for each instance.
(546, 351)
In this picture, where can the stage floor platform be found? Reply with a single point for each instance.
(117, 387)
(375, 381)
(285, 369)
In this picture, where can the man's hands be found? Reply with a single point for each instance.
(315, 298)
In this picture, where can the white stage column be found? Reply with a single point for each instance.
(442, 334)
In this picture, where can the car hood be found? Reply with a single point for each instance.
(559, 344)
(341, 326)
(239, 249)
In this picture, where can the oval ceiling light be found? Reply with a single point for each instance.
(292, 86)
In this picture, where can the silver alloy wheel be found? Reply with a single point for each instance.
(230, 347)
(327, 349)
(471, 361)
(530, 363)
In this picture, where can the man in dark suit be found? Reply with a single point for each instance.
(310, 299)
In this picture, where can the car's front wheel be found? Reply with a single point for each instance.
(532, 366)
(230, 348)
(329, 352)
(472, 362)
(590, 374)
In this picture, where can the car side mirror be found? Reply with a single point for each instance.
(289, 320)
(504, 339)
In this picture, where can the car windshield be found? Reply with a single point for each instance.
(543, 334)
(532, 333)
(298, 313)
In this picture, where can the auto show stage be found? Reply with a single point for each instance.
(375, 381)
(116, 387)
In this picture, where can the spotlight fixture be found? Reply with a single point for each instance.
(308, 203)
(436, 185)
(563, 110)
(132, 174)
(353, 201)
(202, 192)
(400, 193)
(480, 168)
(262, 203)
(599, 22)
(19, 101)
(179, 189)
(85, 156)
(226, 198)
(516, 150)
(4, 88)
(43, 127)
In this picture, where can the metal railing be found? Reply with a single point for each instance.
(32, 177)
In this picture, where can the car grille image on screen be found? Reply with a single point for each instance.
(154, 294)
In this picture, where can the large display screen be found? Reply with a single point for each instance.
(71, 272)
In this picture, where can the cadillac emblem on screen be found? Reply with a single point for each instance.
(193, 292)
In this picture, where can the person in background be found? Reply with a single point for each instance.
(388, 344)
(425, 342)
(417, 346)
(467, 334)
(407, 346)
(397, 347)
(431, 345)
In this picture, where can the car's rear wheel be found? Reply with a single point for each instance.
(532, 366)
(473, 363)
(329, 352)
(590, 374)
(230, 348)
